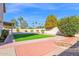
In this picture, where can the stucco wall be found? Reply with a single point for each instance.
(53, 31)
(1, 15)
(29, 30)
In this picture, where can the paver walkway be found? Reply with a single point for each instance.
(7, 50)
(43, 47)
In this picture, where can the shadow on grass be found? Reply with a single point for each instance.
(16, 36)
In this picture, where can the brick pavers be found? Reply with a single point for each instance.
(41, 47)
(44, 47)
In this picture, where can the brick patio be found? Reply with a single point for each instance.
(41, 47)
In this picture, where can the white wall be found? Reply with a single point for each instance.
(53, 31)
(29, 30)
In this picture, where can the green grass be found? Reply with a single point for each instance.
(22, 37)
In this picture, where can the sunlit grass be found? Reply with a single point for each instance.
(22, 37)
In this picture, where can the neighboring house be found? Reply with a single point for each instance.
(8, 26)
(2, 11)
(4, 25)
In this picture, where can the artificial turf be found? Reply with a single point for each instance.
(22, 37)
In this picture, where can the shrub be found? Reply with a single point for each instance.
(50, 22)
(4, 35)
(26, 31)
(17, 30)
(31, 30)
(69, 26)
(42, 31)
(37, 31)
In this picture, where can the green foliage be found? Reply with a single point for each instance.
(26, 31)
(23, 23)
(15, 23)
(42, 31)
(31, 30)
(4, 35)
(17, 30)
(69, 26)
(33, 26)
(37, 31)
(40, 25)
(51, 22)
(30, 27)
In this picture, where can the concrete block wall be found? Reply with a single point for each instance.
(29, 30)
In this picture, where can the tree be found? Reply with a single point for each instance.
(40, 25)
(69, 26)
(23, 23)
(15, 23)
(33, 25)
(50, 22)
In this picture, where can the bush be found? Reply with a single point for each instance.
(4, 35)
(17, 30)
(42, 31)
(37, 31)
(31, 30)
(69, 26)
(26, 31)
(50, 22)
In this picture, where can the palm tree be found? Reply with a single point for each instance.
(23, 23)
(20, 21)
(40, 25)
(33, 24)
(36, 23)
(15, 23)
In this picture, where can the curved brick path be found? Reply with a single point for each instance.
(46, 46)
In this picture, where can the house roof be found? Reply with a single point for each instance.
(8, 23)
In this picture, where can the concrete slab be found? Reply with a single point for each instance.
(7, 50)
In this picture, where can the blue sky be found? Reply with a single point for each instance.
(39, 11)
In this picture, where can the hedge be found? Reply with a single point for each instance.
(69, 26)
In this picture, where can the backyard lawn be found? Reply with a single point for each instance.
(22, 37)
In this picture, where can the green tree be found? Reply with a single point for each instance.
(33, 26)
(15, 23)
(69, 26)
(23, 23)
(40, 25)
(50, 22)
